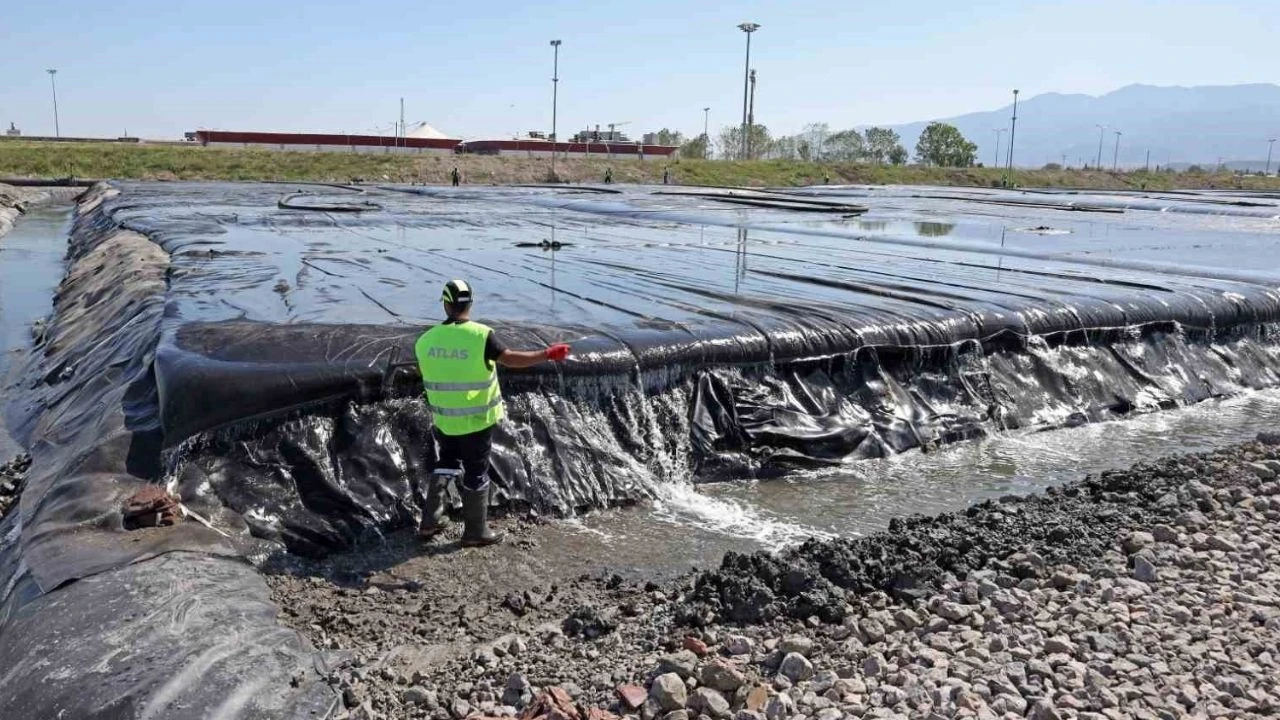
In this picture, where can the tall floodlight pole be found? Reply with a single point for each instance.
(1115, 159)
(1270, 144)
(706, 139)
(1102, 130)
(748, 28)
(998, 132)
(1013, 130)
(555, 89)
(57, 129)
(751, 113)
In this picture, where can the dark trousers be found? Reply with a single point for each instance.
(470, 452)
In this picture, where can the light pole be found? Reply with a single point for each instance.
(706, 139)
(1102, 129)
(1270, 144)
(1115, 159)
(748, 28)
(555, 88)
(57, 129)
(1013, 130)
(998, 132)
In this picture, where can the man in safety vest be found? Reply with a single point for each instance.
(458, 359)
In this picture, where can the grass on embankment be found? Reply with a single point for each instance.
(22, 158)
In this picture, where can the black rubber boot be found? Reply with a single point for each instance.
(475, 517)
(433, 519)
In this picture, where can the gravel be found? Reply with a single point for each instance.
(1146, 593)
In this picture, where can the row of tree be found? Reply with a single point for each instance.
(940, 144)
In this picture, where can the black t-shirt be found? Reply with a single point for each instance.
(493, 347)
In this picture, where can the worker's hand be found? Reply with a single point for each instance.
(557, 352)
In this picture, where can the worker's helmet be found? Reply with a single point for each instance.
(456, 293)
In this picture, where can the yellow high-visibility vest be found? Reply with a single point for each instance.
(461, 386)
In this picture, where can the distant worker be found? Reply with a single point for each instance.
(608, 176)
(826, 179)
(458, 359)
(666, 176)
(455, 176)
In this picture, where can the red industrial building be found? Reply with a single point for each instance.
(427, 140)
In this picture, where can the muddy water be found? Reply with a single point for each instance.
(694, 527)
(30, 268)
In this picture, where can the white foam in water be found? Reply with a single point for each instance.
(681, 504)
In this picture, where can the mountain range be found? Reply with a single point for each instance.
(1202, 125)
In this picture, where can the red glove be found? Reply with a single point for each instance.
(557, 352)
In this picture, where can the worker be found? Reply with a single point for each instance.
(608, 176)
(458, 359)
(666, 176)
(455, 176)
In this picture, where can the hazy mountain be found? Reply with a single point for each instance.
(1185, 125)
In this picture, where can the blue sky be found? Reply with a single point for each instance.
(482, 69)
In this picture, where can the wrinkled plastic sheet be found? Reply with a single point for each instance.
(96, 622)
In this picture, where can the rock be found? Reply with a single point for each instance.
(1217, 542)
(1043, 710)
(1269, 437)
(710, 702)
(748, 715)
(517, 646)
(1192, 519)
(830, 714)
(907, 619)
(796, 644)
(459, 708)
(871, 629)
(517, 691)
(676, 715)
(1164, 533)
(1262, 471)
(1059, 645)
(779, 706)
(796, 667)
(738, 645)
(1136, 541)
(418, 695)
(757, 698)
(669, 691)
(873, 666)
(632, 696)
(721, 676)
(1144, 570)
(949, 610)
(695, 646)
(682, 663)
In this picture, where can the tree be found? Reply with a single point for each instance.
(669, 137)
(731, 141)
(814, 140)
(882, 144)
(943, 145)
(898, 155)
(846, 146)
(696, 148)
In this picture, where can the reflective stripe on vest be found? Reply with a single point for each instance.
(461, 386)
(463, 412)
(457, 387)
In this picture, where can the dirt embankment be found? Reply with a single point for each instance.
(1151, 593)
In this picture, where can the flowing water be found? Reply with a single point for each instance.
(694, 525)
